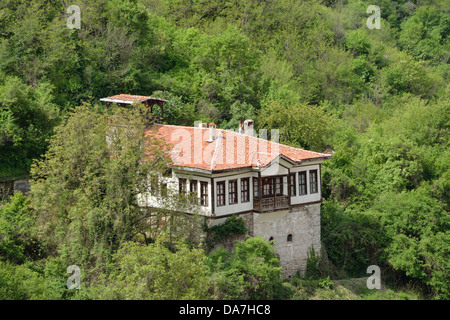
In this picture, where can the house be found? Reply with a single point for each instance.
(275, 188)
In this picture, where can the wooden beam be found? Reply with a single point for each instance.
(289, 186)
(213, 198)
(260, 189)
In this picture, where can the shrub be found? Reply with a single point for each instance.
(251, 271)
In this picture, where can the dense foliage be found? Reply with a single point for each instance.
(378, 99)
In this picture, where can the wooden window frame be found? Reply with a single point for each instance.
(182, 185)
(220, 196)
(232, 192)
(256, 188)
(267, 182)
(292, 186)
(302, 183)
(276, 185)
(204, 195)
(313, 182)
(245, 191)
(191, 183)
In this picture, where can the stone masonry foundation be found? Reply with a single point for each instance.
(294, 232)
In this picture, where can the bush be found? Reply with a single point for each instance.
(353, 240)
(17, 220)
(154, 272)
(233, 225)
(251, 271)
(23, 283)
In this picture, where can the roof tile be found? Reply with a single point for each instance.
(230, 150)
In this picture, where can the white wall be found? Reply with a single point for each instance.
(239, 206)
(309, 197)
(149, 200)
(227, 209)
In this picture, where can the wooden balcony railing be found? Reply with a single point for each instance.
(271, 203)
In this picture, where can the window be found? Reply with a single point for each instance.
(193, 190)
(267, 187)
(271, 240)
(292, 184)
(193, 186)
(278, 186)
(164, 189)
(154, 185)
(204, 193)
(302, 190)
(220, 193)
(245, 194)
(255, 188)
(289, 238)
(313, 181)
(182, 186)
(232, 192)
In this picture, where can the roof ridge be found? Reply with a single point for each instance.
(213, 160)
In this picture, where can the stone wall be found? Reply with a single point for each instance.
(7, 188)
(302, 223)
(22, 185)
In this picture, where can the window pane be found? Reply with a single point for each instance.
(278, 186)
(292, 184)
(302, 183)
(255, 188)
(193, 186)
(182, 186)
(204, 193)
(245, 196)
(267, 187)
(232, 191)
(221, 193)
(313, 181)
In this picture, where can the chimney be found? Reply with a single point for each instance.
(212, 132)
(248, 127)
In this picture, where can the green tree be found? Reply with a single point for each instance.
(404, 74)
(251, 271)
(299, 125)
(17, 222)
(220, 70)
(176, 110)
(27, 118)
(23, 283)
(418, 227)
(85, 189)
(357, 41)
(425, 35)
(353, 240)
(155, 272)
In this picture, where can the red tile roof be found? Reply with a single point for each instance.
(229, 150)
(130, 98)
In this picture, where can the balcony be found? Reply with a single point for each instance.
(272, 203)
